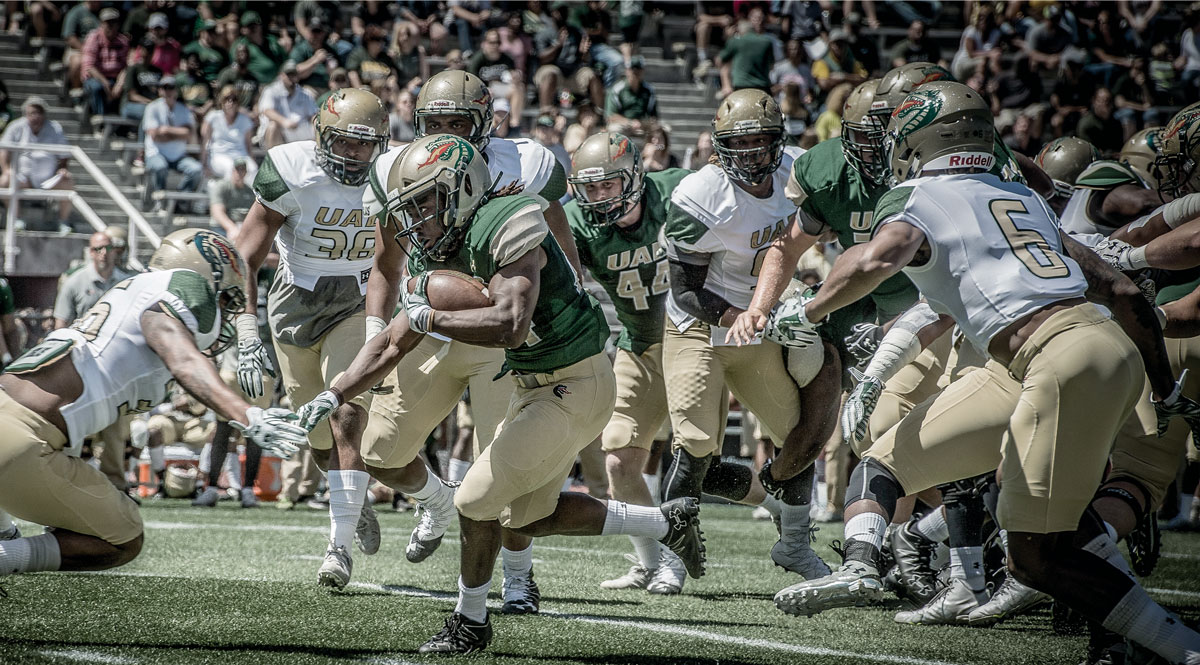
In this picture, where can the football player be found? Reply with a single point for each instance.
(1018, 290)
(120, 357)
(1063, 159)
(721, 222)
(553, 335)
(616, 216)
(309, 199)
(427, 385)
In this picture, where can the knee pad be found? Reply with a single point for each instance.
(1139, 508)
(872, 480)
(728, 480)
(795, 491)
(966, 489)
(687, 475)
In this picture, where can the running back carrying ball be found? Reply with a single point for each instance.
(452, 291)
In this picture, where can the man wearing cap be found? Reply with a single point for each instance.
(160, 49)
(747, 59)
(212, 59)
(314, 61)
(266, 55)
(838, 65)
(80, 21)
(169, 126)
(1047, 40)
(631, 102)
(37, 168)
(230, 199)
(104, 54)
(285, 110)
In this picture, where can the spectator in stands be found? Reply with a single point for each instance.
(402, 119)
(804, 20)
(1165, 80)
(979, 47)
(83, 288)
(1134, 98)
(1072, 92)
(656, 154)
(372, 12)
(501, 116)
(240, 77)
(547, 133)
(427, 18)
(81, 20)
(794, 99)
(338, 79)
(456, 61)
(698, 155)
(1110, 54)
(712, 20)
(1016, 90)
(516, 43)
(137, 21)
(212, 57)
(1047, 40)
(631, 104)
(409, 56)
(917, 46)
(793, 69)
(1024, 137)
(6, 112)
(917, 10)
(230, 198)
(285, 110)
(587, 122)
(314, 58)
(829, 123)
(309, 13)
(45, 16)
(1098, 126)
(565, 63)
(139, 81)
(470, 20)
(838, 65)
(594, 19)
(863, 48)
(225, 137)
(162, 50)
(266, 53)
(169, 126)
(35, 168)
(105, 52)
(500, 73)
(194, 89)
(1189, 57)
(370, 65)
(747, 59)
(630, 17)
(1140, 17)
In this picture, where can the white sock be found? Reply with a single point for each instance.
(1105, 547)
(1142, 620)
(933, 526)
(655, 486)
(648, 551)
(434, 491)
(472, 601)
(628, 519)
(30, 555)
(773, 505)
(233, 469)
(6, 522)
(701, 54)
(206, 459)
(516, 563)
(158, 460)
(868, 528)
(966, 564)
(347, 491)
(458, 469)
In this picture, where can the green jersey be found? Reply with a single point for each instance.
(568, 325)
(631, 263)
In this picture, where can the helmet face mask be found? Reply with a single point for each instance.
(862, 134)
(1177, 164)
(748, 136)
(606, 178)
(454, 93)
(352, 130)
(423, 215)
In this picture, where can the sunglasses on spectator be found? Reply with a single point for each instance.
(103, 248)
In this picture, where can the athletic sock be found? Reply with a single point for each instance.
(655, 486)
(933, 526)
(206, 458)
(30, 555)
(867, 528)
(773, 505)
(1105, 547)
(458, 469)
(233, 468)
(434, 492)
(648, 551)
(633, 520)
(1142, 620)
(472, 601)
(158, 460)
(794, 523)
(347, 491)
(966, 564)
(516, 563)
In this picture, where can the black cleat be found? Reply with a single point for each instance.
(683, 533)
(1144, 544)
(460, 635)
(521, 595)
(913, 555)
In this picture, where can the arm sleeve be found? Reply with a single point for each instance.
(91, 48)
(152, 118)
(687, 287)
(687, 238)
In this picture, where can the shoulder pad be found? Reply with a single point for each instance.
(1108, 174)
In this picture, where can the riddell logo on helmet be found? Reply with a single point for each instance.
(361, 129)
(975, 159)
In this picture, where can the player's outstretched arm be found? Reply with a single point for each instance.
(863, 267)
(506, 323)
(387, 275)
(778, 265)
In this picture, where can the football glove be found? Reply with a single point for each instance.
(252, 357)
(416, 305)
(863, 341)
(311, 414)
(1177, 405)
(1121, 255)
(856, 413)
(788, 323)
(273, 430)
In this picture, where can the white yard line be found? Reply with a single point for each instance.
(1174, 592)
(86, 656)
(1180, 555)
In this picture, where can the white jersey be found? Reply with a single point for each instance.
(1099, 176)
(996, 254)
(715, 222)
(120, 373)
(325, 232)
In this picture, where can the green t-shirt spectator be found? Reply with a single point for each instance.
(371, 69)
(8, 303)
(318, 78)
(212, 60)
(623, 100)
(265, 61)
(750, 57)
(246, 84)
(237, 200)
(79, 22)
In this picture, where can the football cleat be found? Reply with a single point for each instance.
(760, 513)
(951, 606)
(335, 569)
(208, 498)
(460, 635)
(669, 578)
(1105, 647)
(1011, 599)
(637, 577)
(797, 556)
(249, 500)
(1144, 544)
(853, 584)
(913, 555)
(683, 533)
(521, 594)
(11, 533)
(366, 532)
(433, 518)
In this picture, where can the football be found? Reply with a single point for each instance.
(453, 291)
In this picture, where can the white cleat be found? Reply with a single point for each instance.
(335, 570)
(950, 606)
(1011, 599)
(638, 576)
(366, 532)
(668, 579)
(853, 584)
(433, 518)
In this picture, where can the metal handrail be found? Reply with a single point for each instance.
(14, 194)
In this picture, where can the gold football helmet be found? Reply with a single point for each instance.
(356, 115)
(1140, 151)
(455, 92)
(748, 112)
(601, 157)
(218, 261)
(1176, 166)
(1063, 159)
(862, 133)
(939, 126)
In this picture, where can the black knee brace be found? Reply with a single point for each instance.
(687, 475)
(991, 497)
(1139, 508)
(871, 480)
(795, 491)
(728, 480)
(965, 510)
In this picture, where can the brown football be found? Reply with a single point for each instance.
(453, 291)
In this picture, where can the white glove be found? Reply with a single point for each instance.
(1121, 255)
(416, 305)
(273, 430)
(252, 357)
(311, 414)
(788, 323)
(856, 413)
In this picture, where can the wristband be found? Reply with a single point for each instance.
(1137, 258)
(247, 326)
(375, 325)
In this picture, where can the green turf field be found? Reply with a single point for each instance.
(227, 585)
